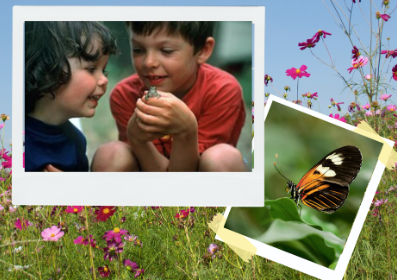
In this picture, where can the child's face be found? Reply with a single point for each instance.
(87, 85)
(164, 61)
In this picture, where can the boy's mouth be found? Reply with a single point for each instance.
(155, 80)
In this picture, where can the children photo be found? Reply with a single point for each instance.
(138, 96)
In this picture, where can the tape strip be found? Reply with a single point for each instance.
(387, 156)
(237, 242)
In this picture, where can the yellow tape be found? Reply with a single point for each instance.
(387, 156)
(237, 242)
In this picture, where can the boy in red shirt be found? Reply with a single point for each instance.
(194, 124)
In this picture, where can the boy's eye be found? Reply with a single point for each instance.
(91, 69)
(167, 51)
(136, 50)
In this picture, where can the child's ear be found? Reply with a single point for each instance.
(205, 53)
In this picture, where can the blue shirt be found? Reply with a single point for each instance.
(63, 146)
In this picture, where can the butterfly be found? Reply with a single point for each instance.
(325, 186)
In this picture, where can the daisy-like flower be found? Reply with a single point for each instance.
(85, 241)
(368, 113)
(74, 209)
(311, 95)
(352, 107)
(130, 265)
(112, 250)
(394, 70)
(356, 63)
(212, 248)
(115, 234)
(104, 271)
(52, 234)
(310, 43)
(336, 117)
(385, 96)
(138, 242)
(334, 103)
(8, 160)
(22, 224)
(366, 106)
(138, 272)
(182, 214)
(293, 72)
(320, 33)
(385, 17)
(267, 79)
(391, 108)
(368, 77)
(380, 202)
(356, 53)
(392, 53)
(105, 212)
(130, 238)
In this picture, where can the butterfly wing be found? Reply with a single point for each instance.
(326, 185)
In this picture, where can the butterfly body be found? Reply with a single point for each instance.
(325, 186)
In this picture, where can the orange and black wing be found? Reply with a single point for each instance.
(325, 187)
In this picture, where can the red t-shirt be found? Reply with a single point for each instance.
(215, 99)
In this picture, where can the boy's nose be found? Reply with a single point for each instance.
(103, 80)
(150, 60)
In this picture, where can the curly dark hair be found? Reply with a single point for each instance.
(194, 32)
(49, 44)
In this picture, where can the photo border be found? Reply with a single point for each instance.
(298, 263)
(142, 189)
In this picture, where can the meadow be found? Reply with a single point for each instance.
(88, 242)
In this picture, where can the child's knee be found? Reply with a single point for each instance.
(222, 158)
(114, 156)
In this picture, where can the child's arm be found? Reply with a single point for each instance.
(170, 116)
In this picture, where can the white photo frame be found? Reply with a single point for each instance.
(138, 189)
(299, 263)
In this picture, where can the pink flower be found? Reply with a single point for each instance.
(293, 72)
(212, 248)
(336, 117)
(395, 72)
(366, 106)
(267, 79)
(1, 125)
(368, 113)
(384, 97)
(380, 202)
(8, 160)
(115, 234)
(368, 77)
(391, 108)
(333, 103)
(319, 34)
(311, 95)
(360, 62)
(392, 53)
(74, 209)
(385, 17)
(52, 234)
(182, 214)
(310, 43)
(22, 224)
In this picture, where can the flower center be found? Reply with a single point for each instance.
(106, 211)
(52, 235)
(298, 71)
(116, 230)
(105, 269)
(129, 268)
(75, 210)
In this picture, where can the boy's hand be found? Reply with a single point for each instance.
(167, 115)
(136, 135)
(51, 168)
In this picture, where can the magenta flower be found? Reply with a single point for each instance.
(310, 95)
(293, 72)
(192, 209)
(368, 113)
(310, 43)
(392, 53)
(104, 271)
(22, 224)
(384, 97)
(385, 17)
(129, 265)
(395, 72)
(366, 106)
(333, 103)
(267, 79)
(356, 63)
(336, 117)
(355, 52)
(8, 160)
(391, 108)
(85, 241)
(1, 125)
(320, 33)
(354, 1)
(380, 202)
(115, 234)
(74, 209)
(182, 214)
(138, 272)
(105, 212)
(112, 250)
(52, 234)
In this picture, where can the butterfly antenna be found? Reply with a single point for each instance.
(285, 177)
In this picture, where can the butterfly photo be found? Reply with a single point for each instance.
(313, 189)
(325, 186)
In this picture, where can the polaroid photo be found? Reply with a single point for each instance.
(144, 188)
(321, 177)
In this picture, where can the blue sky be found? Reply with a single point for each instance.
(286, 24)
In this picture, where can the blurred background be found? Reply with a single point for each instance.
(233, 53)
(301, 141)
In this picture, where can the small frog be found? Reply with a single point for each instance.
(152, 93)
